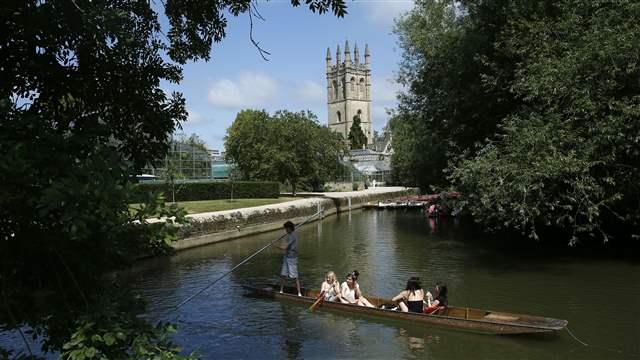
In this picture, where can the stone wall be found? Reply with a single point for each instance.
(226, 225)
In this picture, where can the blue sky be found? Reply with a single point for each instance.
(294, 78)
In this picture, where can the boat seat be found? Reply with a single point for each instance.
(500, 317)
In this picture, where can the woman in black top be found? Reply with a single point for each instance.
(411, 299)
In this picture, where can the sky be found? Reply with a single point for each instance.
(294, 78)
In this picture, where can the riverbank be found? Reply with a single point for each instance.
(212, 227)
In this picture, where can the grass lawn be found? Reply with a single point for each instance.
(194, 207)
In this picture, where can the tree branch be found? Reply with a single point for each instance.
(77, 7)
(73, 278)
(261, 51)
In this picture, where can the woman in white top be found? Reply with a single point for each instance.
(330, 287)
(350, 291)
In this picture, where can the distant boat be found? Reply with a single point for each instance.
(381, 205)
(470, 319)
(144, 177)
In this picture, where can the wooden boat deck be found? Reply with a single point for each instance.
(486, 321)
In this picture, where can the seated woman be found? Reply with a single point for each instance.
(330, 287)
(411, 299)
(440, 301)
(350, 291)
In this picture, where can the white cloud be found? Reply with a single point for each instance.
(311, 92)
(249, 89)
(384, 12)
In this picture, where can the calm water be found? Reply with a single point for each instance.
(600, 298)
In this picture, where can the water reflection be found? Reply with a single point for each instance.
(387, 247)
(292, 344)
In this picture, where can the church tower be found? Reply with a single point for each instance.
(349, 92)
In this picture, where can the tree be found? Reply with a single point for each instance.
(357, 138)
(450, 105)
(565, 159)
(290, 147)
(250, 130)
(528, 109)
(82, 112)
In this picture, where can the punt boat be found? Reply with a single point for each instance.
(465, 318)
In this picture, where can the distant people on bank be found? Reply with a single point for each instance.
(289, 269)
(330, 287)
(434, 210)
(350, 291)
(411, 299)
(437, 301)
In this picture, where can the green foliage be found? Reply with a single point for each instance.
(418, 157)
(448, 106)
(247, 142)
(357, 138)
(115, 330)
(289, 147)
(555, 89)
(82, 111)
(213, 190)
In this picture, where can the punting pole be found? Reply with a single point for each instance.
(243, 262)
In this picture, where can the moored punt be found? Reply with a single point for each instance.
(477, 320)
(395, 205)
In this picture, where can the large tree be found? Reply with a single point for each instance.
(448, 105)
(531, 110)
(290, 147)
(247, 142)
(569, 158)
(81, 111)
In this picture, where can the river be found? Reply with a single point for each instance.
(599, 297)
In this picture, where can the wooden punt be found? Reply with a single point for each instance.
(470, 319)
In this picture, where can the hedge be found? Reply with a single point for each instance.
(213, 190)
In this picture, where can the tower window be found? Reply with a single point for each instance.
(339, 116)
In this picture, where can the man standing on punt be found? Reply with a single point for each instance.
(290, 259)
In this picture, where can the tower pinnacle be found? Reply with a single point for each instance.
(366, 53)
(328, 58)
(347, 53)
(356, 54)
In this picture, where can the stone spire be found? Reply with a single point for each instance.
(356, 54)
(366, 53)
(338, 58)
(347, 53)
(328, 58)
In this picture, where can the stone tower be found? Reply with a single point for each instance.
(349, 91)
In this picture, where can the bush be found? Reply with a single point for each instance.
(210, 190)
